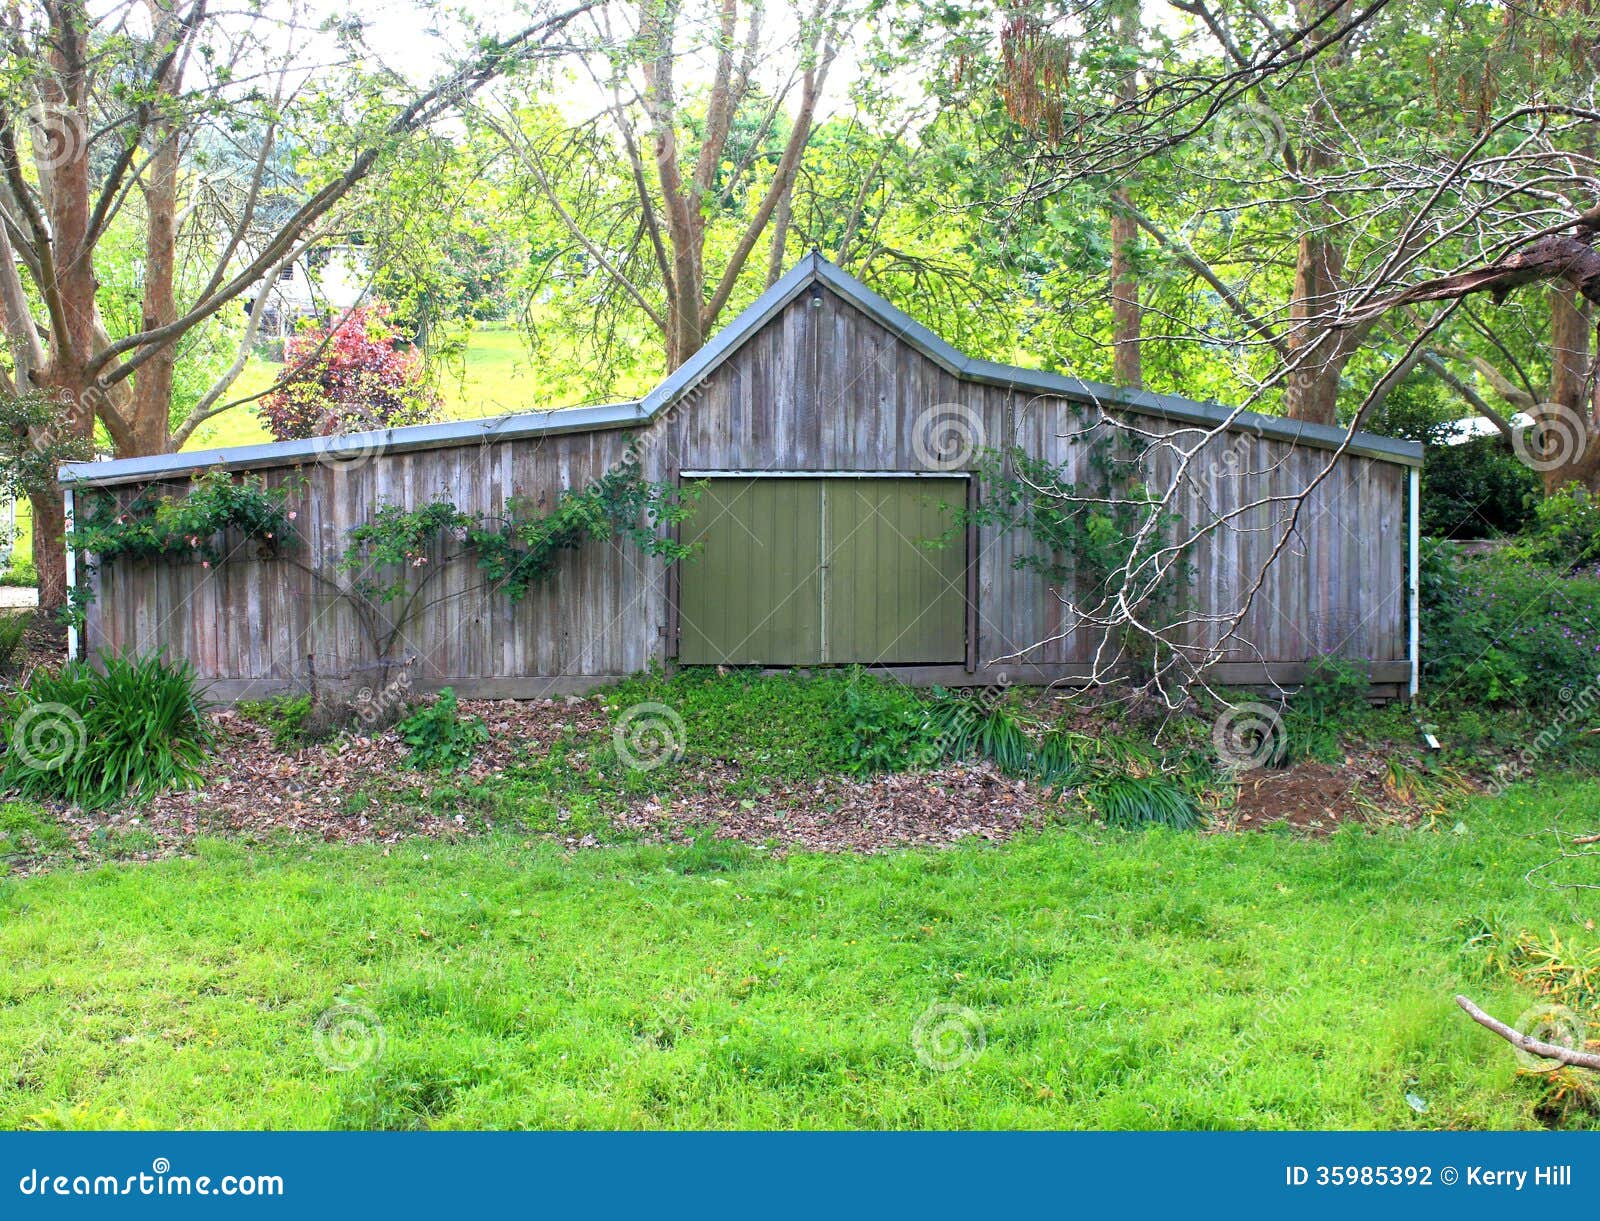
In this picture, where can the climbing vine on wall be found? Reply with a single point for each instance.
(1085, 526)
(389, 559)
(520, 550)
(1085, 522)
(199, 525)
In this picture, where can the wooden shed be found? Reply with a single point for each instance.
(813, 421)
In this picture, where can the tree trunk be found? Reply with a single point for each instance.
(1126, 320)
(49, 548)
(1573, 391)
(1313, 390)
(151, 409)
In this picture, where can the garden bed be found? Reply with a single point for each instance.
(357, 789)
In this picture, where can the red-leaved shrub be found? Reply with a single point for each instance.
(352, 381)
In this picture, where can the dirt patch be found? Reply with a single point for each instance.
(1319, 798)
(835, 814)
(356, 790)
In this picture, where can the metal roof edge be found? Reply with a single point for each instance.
(354, 446)
(1202, 415)
(813, 267)
(1164, 406)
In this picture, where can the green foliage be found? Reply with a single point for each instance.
(13, 631)
(1084, 531)
(881, 727)
(1477, 489)
(284, 715)
(522, 551)
(36, 437)
(1564, 533)
(439, 737)
(95, 738)
(1500, 631)
(1087, 532)
(1333, 687)
(1143, 801)
(22, 573)
(205, 524)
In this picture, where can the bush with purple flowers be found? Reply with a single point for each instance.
(1503, 631)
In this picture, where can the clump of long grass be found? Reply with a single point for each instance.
(95, 737)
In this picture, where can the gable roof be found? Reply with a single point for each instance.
(813, 268)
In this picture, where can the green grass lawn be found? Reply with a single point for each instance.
(1123, 980)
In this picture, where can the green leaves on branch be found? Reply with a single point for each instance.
(34, 441)
(520, 551)
(197, 525)
(1085, 530)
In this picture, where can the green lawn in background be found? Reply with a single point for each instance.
(1083, 978)
(495, 378)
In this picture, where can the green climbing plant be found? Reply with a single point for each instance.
(1085, 523)
(206, 524)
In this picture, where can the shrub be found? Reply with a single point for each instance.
(1564, 533)
(1477, 489)
(97, 737)
(439, 737)
(882, 727)
(22, 573)
(1499, 630)
(1143, 801)
(352, 380)
(13, 630)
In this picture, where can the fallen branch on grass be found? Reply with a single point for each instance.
(1548, 1051)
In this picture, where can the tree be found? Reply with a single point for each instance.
(659, 202)
(102, 113)
(1343, 183)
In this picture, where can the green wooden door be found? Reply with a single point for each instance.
(752, 594)
(798, 571)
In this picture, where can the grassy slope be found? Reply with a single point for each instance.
(1123, 980)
